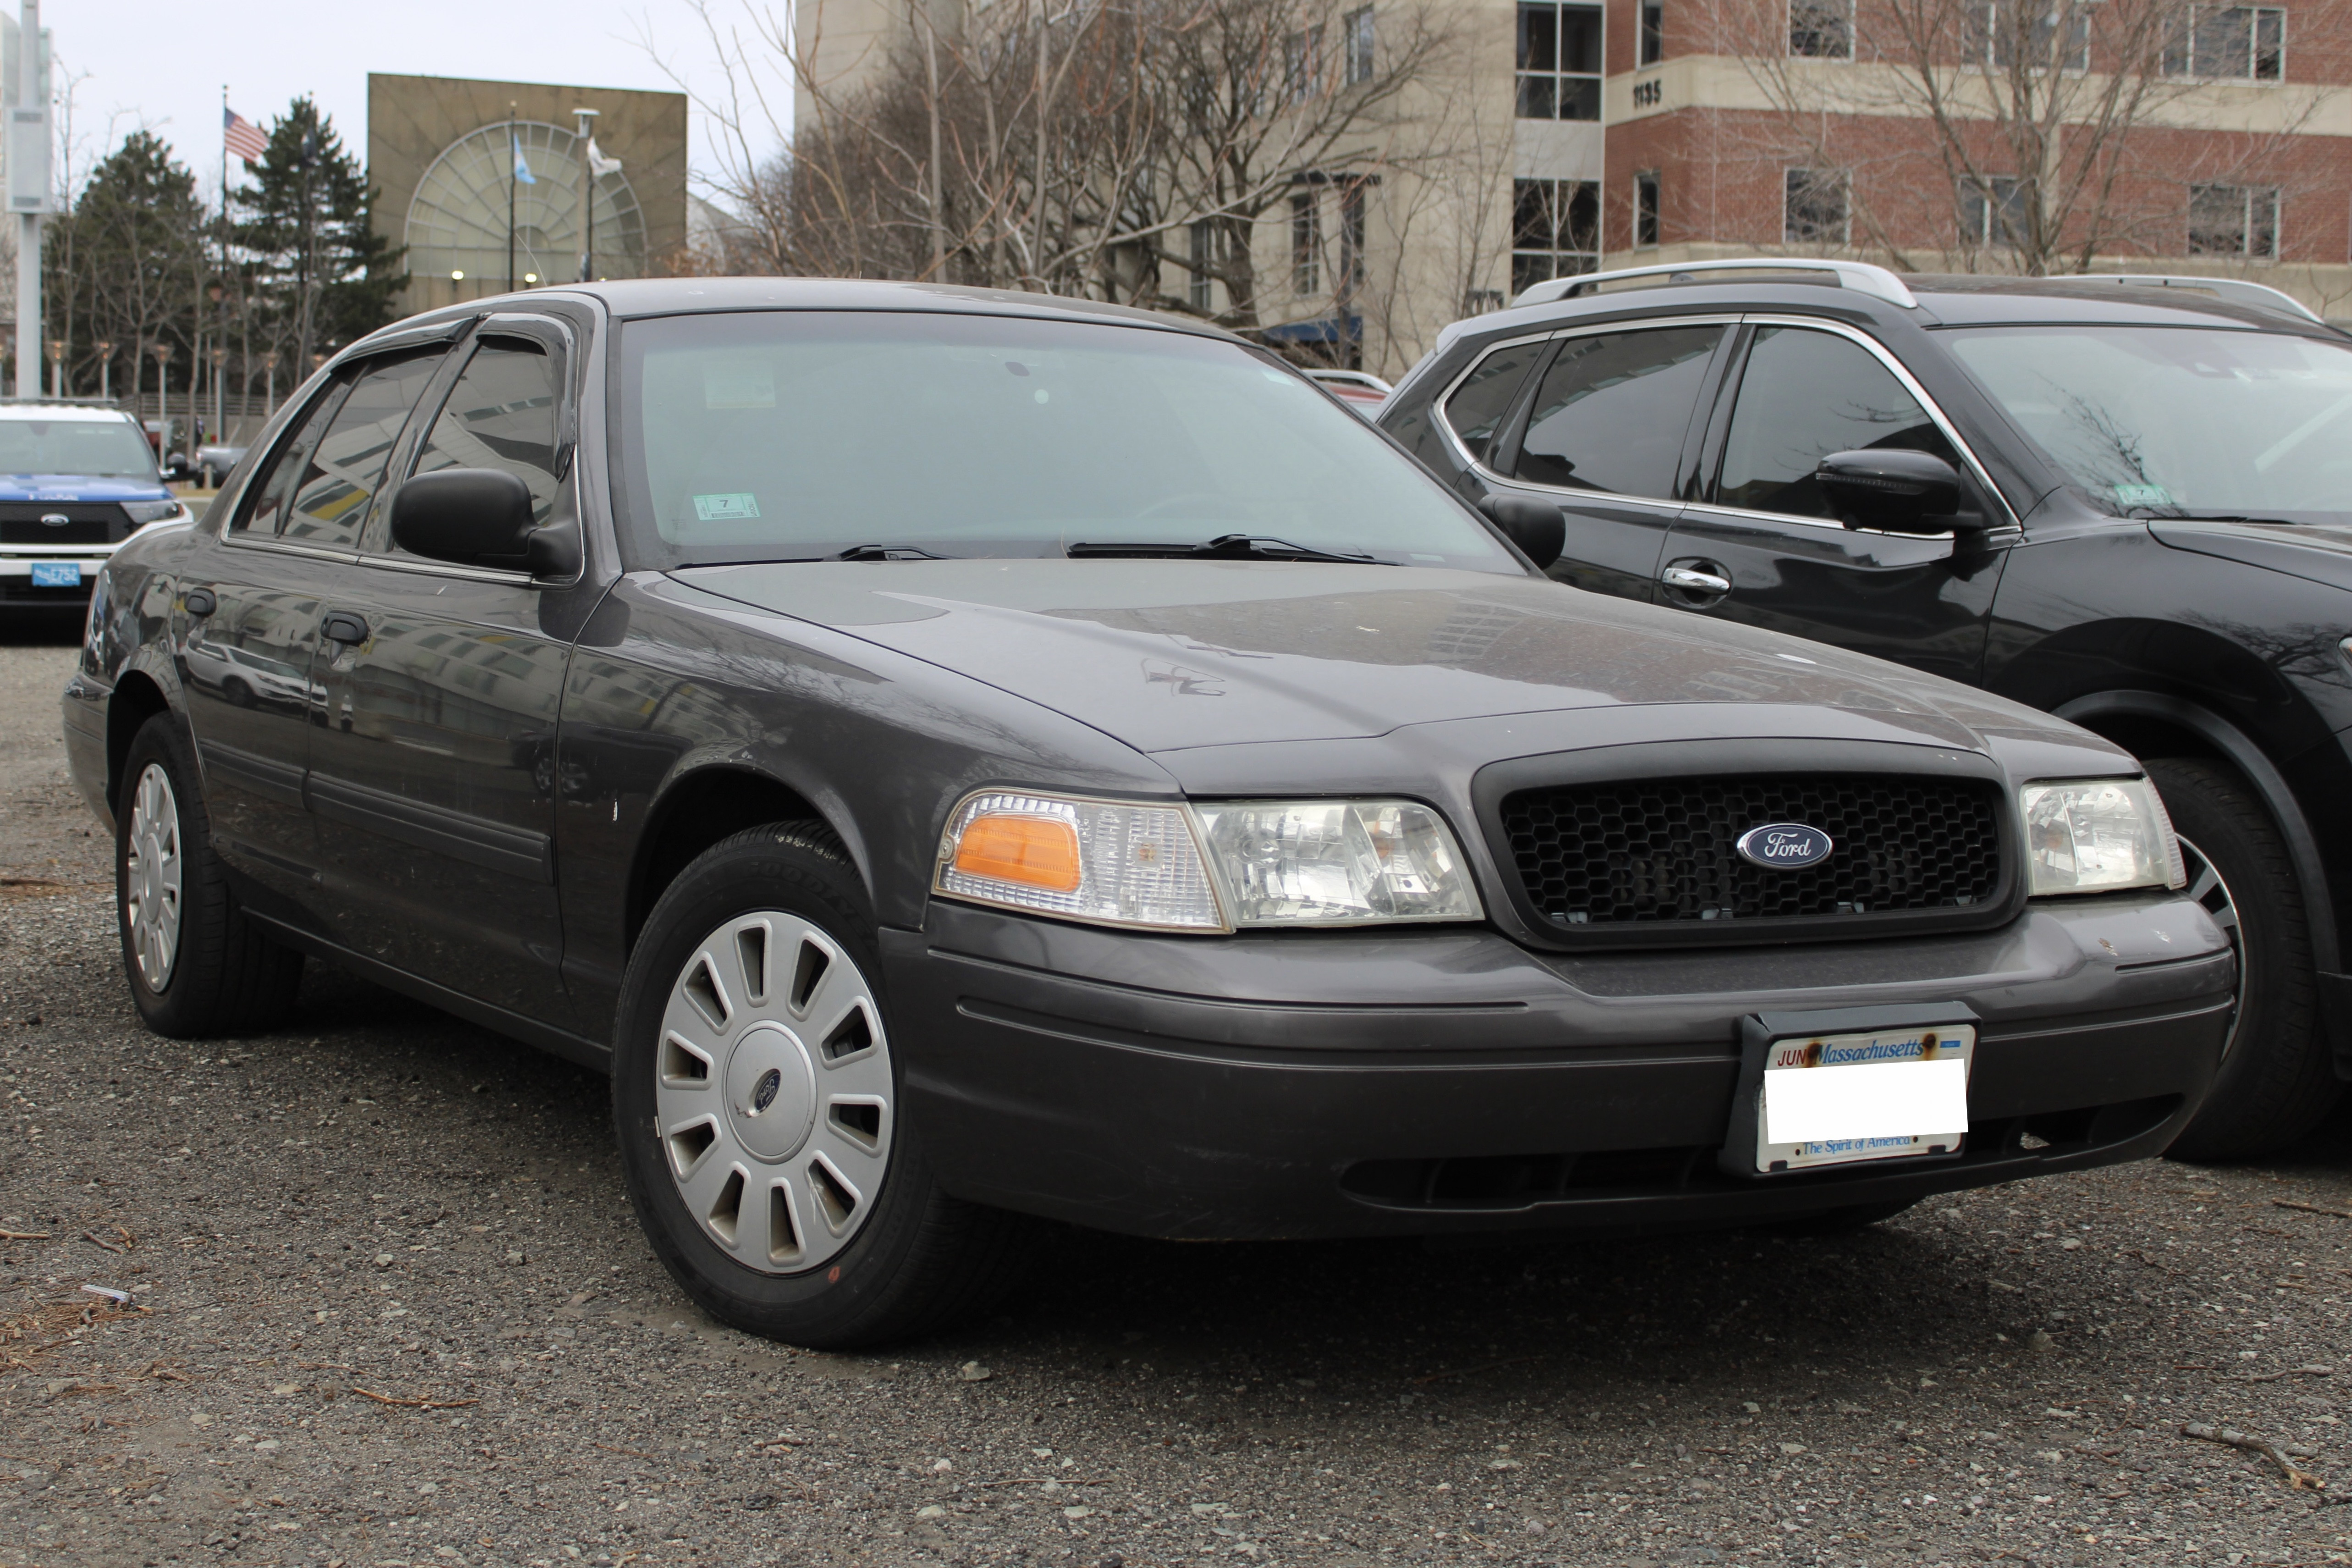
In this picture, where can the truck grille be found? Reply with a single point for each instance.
(87, 522)
(1652, 852)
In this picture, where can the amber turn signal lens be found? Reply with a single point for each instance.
(1034, 851)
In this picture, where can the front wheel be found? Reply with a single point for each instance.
(2277, 1078)
(759, 1108)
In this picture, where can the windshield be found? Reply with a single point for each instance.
(93, 449)
(801, 435)
(2180, 421)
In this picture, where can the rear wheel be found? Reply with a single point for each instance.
(2277, 1080)
(757, 1104)
(197, 967)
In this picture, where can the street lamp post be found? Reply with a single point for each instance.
(269, 362)
(587, 122)
(57, 347)
(220, 406)
(105, 347)
(163, 352)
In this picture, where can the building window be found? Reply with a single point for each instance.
(1306, 244)
(1350, 281)
(1645, 210)
(1555, 230)
(2242, 43)
(1204, 248)
(1356, 32)
(1302, 65)
(2234, 220)
(1813, 209)
(1992, 210)
(1559, 62)
(2001, 27)
(1821, 29)
(1652, 46)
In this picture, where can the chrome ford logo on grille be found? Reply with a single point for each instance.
(1785, 846)
(54, 519)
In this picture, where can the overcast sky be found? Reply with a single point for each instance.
(146, 62)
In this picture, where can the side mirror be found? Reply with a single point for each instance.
(1538, 527)
(469, 517)
(1896, 489)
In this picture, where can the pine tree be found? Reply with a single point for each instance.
(323, 275)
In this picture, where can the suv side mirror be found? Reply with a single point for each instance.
(1537, 527)
(478, 516)
(1896, 489)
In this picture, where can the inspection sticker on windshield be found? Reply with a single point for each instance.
(736, 508)
(2143, 495)
(1833, 1100)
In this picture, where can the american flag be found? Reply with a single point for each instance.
(243, 137)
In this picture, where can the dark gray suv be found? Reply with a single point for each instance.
(957, 757)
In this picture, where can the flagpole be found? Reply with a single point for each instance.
(220, 415)
(513, 152)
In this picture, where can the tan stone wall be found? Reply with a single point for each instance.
(411, 119)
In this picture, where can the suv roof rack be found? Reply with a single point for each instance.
(2237, 290)
(1857, 275)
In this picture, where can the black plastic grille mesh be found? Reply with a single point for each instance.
(87, 522)
(1624, 853)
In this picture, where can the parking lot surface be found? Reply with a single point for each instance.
(386, 1305)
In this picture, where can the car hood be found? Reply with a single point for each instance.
(78, 486)
(2319, 551)
(1167, 654)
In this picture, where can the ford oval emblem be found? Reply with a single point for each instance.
(763, 1093)
(54, 519)
(1785, 846)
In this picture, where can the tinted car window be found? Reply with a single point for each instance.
(1613, 408)
(346, 467)
(501, 415)
(1477, 409)
(266, 512)
(1804, 396)
(795, 435)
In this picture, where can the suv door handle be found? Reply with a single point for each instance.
(342, 625)
(1691, 580)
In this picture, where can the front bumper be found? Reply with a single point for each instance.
(1450, 1081)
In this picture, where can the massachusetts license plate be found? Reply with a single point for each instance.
(57, 574)
(1836, 1099)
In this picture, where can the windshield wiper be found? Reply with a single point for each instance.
(886, 553)
(1227, 547)
(2152, 514)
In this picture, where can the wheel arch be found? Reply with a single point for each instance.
(697, 810)
(137, 698)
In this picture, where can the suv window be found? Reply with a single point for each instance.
(1477, 409)
(1613, 409)
(342, 474)
(1803, 396)
(266, 512)
(501, 415)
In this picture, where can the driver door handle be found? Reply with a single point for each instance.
(1691, 580)
(342, 625)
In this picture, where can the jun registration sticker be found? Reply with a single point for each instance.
(1834, 1100)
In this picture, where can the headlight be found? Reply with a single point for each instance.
(1336, 862)
(1213, 867)
(144, 512)
(2090, 835)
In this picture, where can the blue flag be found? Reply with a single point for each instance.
(523, 176)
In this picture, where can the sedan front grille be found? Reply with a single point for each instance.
(86, 523)
(1652, 852)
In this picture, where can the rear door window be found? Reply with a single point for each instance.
(342, 473)
(1803, 396)
(1614, 408)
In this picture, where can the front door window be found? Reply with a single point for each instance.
(1804, 396)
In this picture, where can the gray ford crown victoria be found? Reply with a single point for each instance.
(959, 757)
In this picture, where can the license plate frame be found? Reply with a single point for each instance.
(1943, 1035)
(57, 574)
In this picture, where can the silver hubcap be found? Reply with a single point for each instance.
(773, 1092)
(151, 878)
(2205, 886)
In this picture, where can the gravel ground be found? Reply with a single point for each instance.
(386, 1307)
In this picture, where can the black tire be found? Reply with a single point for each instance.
(920, 1259)
(2278, 1080)
(226, 976)
(1843, 1221)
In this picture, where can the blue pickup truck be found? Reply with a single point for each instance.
(76, 480)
